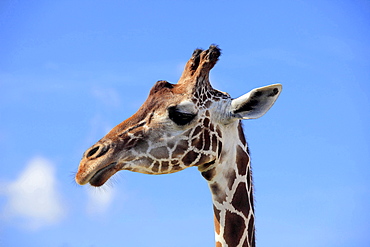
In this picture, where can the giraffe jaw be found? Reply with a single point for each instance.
(101, 176)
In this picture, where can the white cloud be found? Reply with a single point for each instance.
(33, 199)
(99, 199)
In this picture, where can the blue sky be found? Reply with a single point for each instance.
(72, 70)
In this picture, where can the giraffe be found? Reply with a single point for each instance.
(190, 124)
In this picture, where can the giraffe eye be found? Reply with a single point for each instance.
(180, 118)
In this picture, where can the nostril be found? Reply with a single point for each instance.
(92, 152)
(103, 151)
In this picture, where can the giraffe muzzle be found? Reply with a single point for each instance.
(96, 174)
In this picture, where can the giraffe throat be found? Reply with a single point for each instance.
(230, 182)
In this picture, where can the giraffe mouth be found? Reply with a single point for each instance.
(102, 175)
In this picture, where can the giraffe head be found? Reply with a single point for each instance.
(178, 126)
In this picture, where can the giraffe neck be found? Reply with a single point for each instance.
(230, 182)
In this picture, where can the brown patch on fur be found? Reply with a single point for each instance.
(240, 200)
(165, 165)
(143, 145)
(207, 139)
(170, 145)
(205, 166)
(214, 143)
(208, 175)
(208, 103)
(232, 177)
(216, 216)
(176, 167)
(155, 168)
(204, 159)
(234, 228)
(180, 148)
(215, 188)
(197, 130)
(160, 152)
(216, 99)
(206, 122)
(242, 160)
(218, 244)
(204, 97)
(251, 232)
(189, 157)
(249, 178)
(197, 143)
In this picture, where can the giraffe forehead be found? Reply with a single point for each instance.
(205, 102)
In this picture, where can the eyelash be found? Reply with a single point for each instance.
(180, 118)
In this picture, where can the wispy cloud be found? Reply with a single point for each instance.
(99, 200)
(33, 199)
(107, 96)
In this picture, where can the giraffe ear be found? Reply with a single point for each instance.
(255, 103)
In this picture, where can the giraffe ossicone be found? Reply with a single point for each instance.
(190, 124)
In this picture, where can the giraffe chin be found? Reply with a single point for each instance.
(101, 176)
